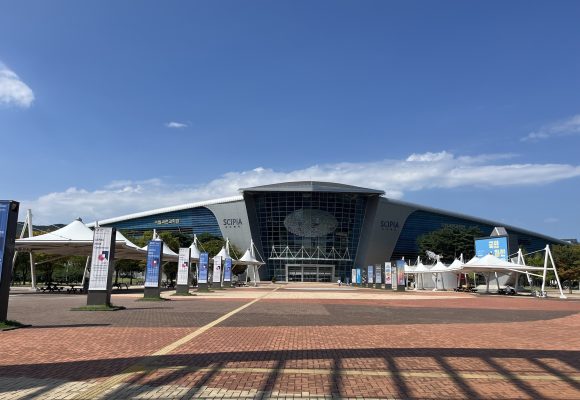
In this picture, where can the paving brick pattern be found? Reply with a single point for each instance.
(306, 346)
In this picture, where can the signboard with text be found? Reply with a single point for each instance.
(228, 270)
(388, 277)
(378, 275)
(370, 274)
(153, 268)
(217, 270)
(401, 272)
(4, 211)
(183, 266)
(358, 276)
(353, 275)
(203, 265)
(101, 258)
(496, 245)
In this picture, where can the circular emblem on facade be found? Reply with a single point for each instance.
(310, 222)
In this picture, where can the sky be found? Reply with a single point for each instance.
(109, 107)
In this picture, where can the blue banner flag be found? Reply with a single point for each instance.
(228, 270)
(153, 263)
(4, 211)
(203, 264)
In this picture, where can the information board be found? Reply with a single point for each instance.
(401, 272)
(217, 270)
(153, 268)
(4, 211)
(4, 214)
(353, 275)
(228, 270)
(183, 266)
(388, 272)
(370, 274)
(496, 245)
(358, 276)
(203, 263)
(378, 275)
(101, 258)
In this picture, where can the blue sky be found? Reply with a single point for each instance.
(111, 107)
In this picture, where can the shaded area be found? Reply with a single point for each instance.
(316, 314)
(333, 380)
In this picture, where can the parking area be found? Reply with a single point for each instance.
(279, 341)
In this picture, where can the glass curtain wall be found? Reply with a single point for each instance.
(309, 228)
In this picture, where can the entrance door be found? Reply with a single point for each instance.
(309, 273)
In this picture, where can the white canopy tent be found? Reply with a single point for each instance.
(251, 261)
(75, 239)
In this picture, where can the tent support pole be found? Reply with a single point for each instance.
(85, 271)
(488, 276)
(496, 281)
(545, 269)
(562, 296)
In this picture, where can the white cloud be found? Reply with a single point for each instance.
(14, 92)
(395, 177)
(176, 125)
(568, 127)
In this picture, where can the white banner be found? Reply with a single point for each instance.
(100, 260)
(183, 266)
(353, 275)
(217, 270)
(388, 277)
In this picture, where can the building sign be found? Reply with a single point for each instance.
(389, 225)
(388, 277)
(370, 274)
(101, 258)
(167, 221)
(203, 263)
(496, 245)
(183, 266)
(401, 272)
(217, 270)
(232, 222)
(378, 277)
(153, 267)
(228, 270)
(4, 211)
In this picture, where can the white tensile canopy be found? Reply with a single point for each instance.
(168, 254)
(76, 239)
(194, 250)
(490, 263)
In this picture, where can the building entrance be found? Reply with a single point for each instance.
(309, 273)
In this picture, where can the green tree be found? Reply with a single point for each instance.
(450, 241)
(567, 260)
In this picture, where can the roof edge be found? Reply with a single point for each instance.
(148, 213)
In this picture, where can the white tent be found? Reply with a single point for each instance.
(76, 239)
(168, 254)
(194, 250)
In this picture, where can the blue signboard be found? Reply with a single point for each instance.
(228, 270)
(401, 272)
(203, 264)
(153, 263)
(4, 210)
(370, 274)
(496, 245)
(358, 276)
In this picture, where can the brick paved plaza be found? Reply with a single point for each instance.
(281, 341)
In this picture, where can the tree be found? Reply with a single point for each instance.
(567, 260)
(450, 241)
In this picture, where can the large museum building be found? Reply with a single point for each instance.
(315, 231)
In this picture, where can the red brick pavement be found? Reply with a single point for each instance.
(525, 359)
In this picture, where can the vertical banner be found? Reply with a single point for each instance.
(101, 259)
(217, 270)
(394, 276)
(388, 274)
(203, 263)
(153, 269)
(353, 275)
(183, 266)
(8, 221)
(378, 275)
(228, 270)
(358, 276)
(370, 275)
(401, 272)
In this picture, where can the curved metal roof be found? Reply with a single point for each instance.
(312, 186)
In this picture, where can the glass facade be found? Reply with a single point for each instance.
(309, 230)
(421, 222)
(189, 222)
